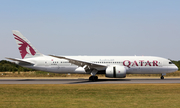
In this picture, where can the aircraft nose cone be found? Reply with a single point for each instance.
(175, 68)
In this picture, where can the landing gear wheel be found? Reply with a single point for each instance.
(90, 78)
(96, 78)
(93, 78)
(162, 77)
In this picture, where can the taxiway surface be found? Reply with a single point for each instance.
(86, 81)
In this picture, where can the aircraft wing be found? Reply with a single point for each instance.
(20, 61)
(82, 63)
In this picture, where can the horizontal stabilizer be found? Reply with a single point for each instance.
(20, 61)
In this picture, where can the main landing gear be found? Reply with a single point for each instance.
(93, 78)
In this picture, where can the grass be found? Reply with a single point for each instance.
(46, 74)
(90, 95)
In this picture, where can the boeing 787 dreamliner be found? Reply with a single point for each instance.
(111, 66)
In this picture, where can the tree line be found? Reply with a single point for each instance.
(6, 66)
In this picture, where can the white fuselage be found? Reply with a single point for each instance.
(133, 64)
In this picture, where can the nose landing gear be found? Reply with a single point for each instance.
(162, 75)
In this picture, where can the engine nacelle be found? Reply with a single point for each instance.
(116, 71)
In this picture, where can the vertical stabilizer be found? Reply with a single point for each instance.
(25, 48)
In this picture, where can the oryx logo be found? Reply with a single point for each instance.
(24, 47)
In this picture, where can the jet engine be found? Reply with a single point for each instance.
(116, 71)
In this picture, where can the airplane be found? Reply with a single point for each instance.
(111, 66)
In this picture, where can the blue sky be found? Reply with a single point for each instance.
(94, 27)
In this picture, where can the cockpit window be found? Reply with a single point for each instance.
(170, 62)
